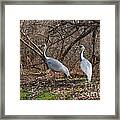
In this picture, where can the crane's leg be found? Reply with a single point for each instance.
(86, 80)
(47, 73)
(66, 79)
(83, 77)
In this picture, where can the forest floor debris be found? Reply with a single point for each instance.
(49, 89)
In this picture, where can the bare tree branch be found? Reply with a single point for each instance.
(62, 38)
(32, 49)
(93, 42)
(75, 41)
(32, 43)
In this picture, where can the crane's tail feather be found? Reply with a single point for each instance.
(89, 77)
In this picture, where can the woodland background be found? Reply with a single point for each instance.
(63, 39)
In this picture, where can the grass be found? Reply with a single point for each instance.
(45, 95)
(24, 95)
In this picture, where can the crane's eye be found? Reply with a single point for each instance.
(42, 45)
(81, 46)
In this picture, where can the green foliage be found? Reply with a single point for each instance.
(45, 95)
(24, 95)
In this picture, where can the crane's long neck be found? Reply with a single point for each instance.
(45, 52)
(81, 55)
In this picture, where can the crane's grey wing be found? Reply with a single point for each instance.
(54, 64)
(86, 67)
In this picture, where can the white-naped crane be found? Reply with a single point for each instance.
(85, 65)
(55, 65)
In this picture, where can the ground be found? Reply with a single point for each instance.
(39, 88)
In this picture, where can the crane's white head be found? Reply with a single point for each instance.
(45, 46)
(82, 48)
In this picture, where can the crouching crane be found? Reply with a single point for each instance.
(85, 65)
(55, 65)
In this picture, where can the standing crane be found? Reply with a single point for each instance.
(55, 65)
(85, 65)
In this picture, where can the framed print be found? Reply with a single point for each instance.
(60, 59)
